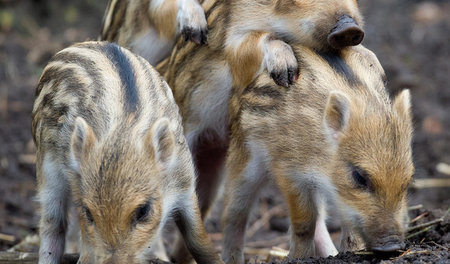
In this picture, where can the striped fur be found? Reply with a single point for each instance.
(149, 27)
(310, 139)
(109, 140)
(251, 36)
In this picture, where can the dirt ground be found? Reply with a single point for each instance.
(410, 37)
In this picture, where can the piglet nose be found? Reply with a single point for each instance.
(345, 33)
(390, 246)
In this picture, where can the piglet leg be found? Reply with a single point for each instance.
(191, 227)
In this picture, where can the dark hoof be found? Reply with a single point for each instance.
(285, 78)
(345, 33)
(198, 36)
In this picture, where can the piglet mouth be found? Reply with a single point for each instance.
(388, 244)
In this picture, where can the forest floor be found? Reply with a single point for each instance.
(410, 37)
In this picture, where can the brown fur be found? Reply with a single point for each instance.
(310, 144)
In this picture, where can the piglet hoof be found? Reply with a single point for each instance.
(192, 21)
(281, 63)
(285, 78)
(198, 36)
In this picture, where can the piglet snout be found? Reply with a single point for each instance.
(389, 244)
(345, 33)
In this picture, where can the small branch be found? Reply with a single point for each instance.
(443, 168)
(415, 207)
(8, 238)
(263, 220)
(266, 253)
(27, 159)
(418, 217)
(404, 253)
(437, 245)
(435, 221)
(430, 183)
(363, 253)
(268, 243)
(418, 233)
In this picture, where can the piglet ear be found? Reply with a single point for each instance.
(337, 113)
(162, 139)
(82, 141)
(402, 104)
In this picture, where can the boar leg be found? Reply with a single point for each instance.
(53, 197)
(73, 231)
(303, 224)
(190, 223)
(258, 51)
(209, 155)
(157, 249)
(241, 190)
(192, 21)
(303, 212)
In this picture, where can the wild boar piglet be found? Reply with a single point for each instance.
(109, 140)
(334, 138)
(256, 35)
(245, 38)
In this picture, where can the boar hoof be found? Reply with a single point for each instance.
(285, 78)
(345, 33)
(198, 36)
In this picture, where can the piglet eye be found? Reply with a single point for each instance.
(361, 177)
(88, 215)
(142, 212)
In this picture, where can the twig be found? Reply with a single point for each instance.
(433, 222)
(410, 252)
(437, 245)
(363, 253)
(264, 219)
(443, 168)
(418, 233)
(446, 213)
(266, 253)
(430, 183)
(418, 217)
(8, 238)
(268, 243)
(415, 207)
(27, 159)
(278, 253)
(404, 253)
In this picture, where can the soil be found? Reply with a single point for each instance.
(410, 37)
